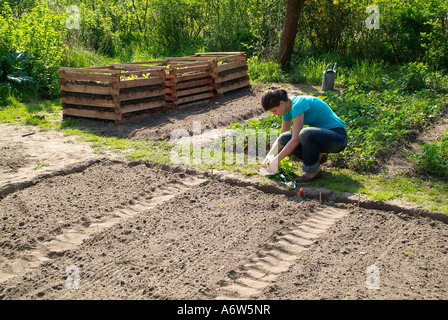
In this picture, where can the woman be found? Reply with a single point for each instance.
(325, 132)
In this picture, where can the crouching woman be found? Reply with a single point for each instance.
(324, 132)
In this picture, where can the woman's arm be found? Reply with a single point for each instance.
(286, 126)
(290, 146)
(294, 142)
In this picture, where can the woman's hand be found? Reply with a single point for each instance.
(273, 166)
(267, 160)
(269, 166)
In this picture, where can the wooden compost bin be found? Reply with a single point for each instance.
(188, 80)
(229, 70)
(120, 93)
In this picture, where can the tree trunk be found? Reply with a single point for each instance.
(289, 32)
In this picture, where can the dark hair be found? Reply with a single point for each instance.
(272, 98)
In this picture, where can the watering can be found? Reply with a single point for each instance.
(328, 78)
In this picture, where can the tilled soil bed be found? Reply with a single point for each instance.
(118, 230)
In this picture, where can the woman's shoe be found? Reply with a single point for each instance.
(310, 177)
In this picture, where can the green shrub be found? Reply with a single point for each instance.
(265, 71)
(16, 73)
(365, 75)
(413, 77)
(378, 123)
(6, 28)
(38, 32)
(433, 158)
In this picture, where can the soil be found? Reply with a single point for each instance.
(94, 226)
(236, 107)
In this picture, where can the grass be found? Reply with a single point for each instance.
(143, 150)
(44, 114)
(429, 195)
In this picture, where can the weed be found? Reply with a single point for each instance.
(40, 165)
(433, 158)
(302, 257)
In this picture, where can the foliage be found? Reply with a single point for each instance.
(378, 123)
(265, 71)
(39, 33)
(412, 33)
(433, 158)
(44, 114)
(408, 31)
(15, 69)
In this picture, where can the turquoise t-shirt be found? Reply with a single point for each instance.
(317, 113)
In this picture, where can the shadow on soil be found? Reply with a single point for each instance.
(159, 126)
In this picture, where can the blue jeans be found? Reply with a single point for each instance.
(314, 141)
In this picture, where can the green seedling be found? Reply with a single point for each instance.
(301, 257)
(40, 166)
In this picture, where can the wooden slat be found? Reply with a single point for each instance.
(69, 76)
(89, 102)
(145, 63)
(219, 53)
(236, 57)
(232, 76)
(140, 82)
(188, 58)
(142, 106)
(172, 86)
(130, 66)
(223, 56)
(202, 75)
(140, 95)
(193, 69)
(88, 89)
(233, 86)
(184, 64)
(89, 113)
(191, 58)
(92, 69)
(192, 91)
(195, 97)
(229, 66)
(194, 84)
(148, 73)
